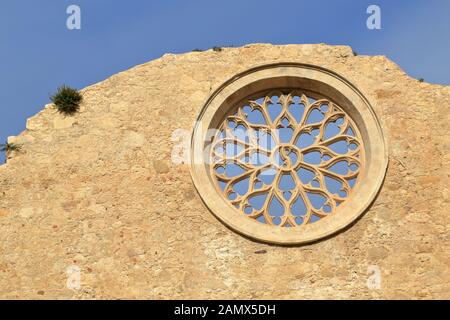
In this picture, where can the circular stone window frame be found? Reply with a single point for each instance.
(289, 76)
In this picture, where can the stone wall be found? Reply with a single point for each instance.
(98, 191)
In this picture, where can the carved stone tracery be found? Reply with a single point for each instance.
(298, 156)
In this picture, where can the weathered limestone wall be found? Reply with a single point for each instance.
(99, 191)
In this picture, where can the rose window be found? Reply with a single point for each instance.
(286, 159)
(287, 153)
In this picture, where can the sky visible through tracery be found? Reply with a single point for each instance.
(247, 152)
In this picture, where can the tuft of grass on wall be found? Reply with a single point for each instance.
(421, 80)
(217, 49)
(67, 100)
(8, 147)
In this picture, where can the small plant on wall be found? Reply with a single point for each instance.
(8, 147)
(67, 100)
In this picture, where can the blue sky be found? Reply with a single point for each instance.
(38, 53)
